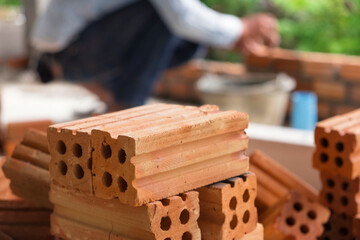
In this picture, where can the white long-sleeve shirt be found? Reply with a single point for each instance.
(60, 23)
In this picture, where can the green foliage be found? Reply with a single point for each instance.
(10, 3)
(312, 25)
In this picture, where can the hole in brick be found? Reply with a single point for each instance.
(329, 197)
(77, 150)
(339, 147)
(234, 222)
(343, 231)
(290, 221)
(327, 227)
(344, 201)
(312, 215)
(165, 202)
(184, 216)
(246, 216)
(327, 238)
(304, 229)
(230, 181)
(61, 147)
(78, 171)
(165, 223)
(339, 161)
(122, 184)
(89, 163)
(183, 196)
(324, 157)
(63, 168)
(233, 203)
(122, 156)
(186, 236)
(106, 150)
(324, 142)
(330, 183)
(107, 179)
(345, 186)
(167, 239)
(246, 196)
(298, 207)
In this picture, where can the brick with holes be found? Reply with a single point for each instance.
(70, 147)
(340, 194)
(79, 216)
(295, 217)
(339, 227)
(337, 142)
(227, 208)
(143, 162)
(257, 234)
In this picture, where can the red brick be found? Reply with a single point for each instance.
(341, 109)
(181, 91)
(321, 65)
(337, 141)
(253, 61)
(355, 94)
(324, 109)
(294, 217)
(227, 208)
(339, 194)
(151, 145)
(71, 152)
(350, 70)
(330, 90)
(223, 68)
(338, 227)
(172, 217)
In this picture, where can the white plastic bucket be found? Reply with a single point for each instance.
(263, 96)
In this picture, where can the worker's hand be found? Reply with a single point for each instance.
(260, 31)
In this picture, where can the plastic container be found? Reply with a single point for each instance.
(304, 110)
(263, 96)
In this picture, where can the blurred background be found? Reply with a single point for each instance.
(314, 74)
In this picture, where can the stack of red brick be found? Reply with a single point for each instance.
(334, 78)
(20, 219)
(287, 205)
(153, 172)
(337, 157)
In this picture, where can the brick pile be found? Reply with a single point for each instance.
(275, 182)
(145, 173)
(337, 152)
(287, 206)
(20, 219)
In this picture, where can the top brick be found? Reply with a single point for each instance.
(140, 160)
(337, 142)
(71, 151)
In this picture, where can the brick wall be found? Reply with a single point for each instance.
(179, 83)
(334, 78)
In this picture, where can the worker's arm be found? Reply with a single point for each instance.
(193, 20)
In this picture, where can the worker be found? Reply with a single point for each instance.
(126, 44)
